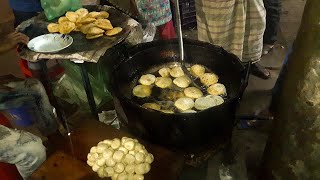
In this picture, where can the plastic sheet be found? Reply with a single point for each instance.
(30, 103)
(140, 33)
(56, 8)
(110, 118)
(70, 86)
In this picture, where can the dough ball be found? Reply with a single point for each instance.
(138, 177)
(176, 72)
(147, 79)
(193, 92)
(163, 82)
(209, 79)
(217, 89)
(197, 70)
(142, 91)
(182, 81)
(109, 171)
(184, 104)
(119, 168)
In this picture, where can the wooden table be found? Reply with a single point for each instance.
(87, 133)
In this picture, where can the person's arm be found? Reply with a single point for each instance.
(21, 148)
(12, 40)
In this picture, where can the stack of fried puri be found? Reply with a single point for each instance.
(92, 24)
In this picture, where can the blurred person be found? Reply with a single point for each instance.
(18, 147)
(273, 8)
(236, 25)
(11, 41)
(158, 13)
(23, 149)
(8, 41)
(25, 9)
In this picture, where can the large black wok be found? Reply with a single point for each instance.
(182, 131)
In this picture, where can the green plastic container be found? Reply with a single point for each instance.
(56, 8)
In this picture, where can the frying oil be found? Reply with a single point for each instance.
(167, 96)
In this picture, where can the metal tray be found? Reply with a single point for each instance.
(38, 27)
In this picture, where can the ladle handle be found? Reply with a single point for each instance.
(179, 30)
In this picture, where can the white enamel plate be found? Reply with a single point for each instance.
(50, 43)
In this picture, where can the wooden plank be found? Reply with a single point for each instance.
(63, 166)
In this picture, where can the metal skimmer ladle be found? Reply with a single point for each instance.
(181, 50)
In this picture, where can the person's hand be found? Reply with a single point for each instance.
(12, 40)
(15, 38)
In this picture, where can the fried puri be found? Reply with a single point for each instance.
(184, 104)
(153, 106)
(53, 27)
(66, 27)
(182, 81)
(93, 36)
(62, 19)
(217, 89)
(147, 79)
(95, 31)
(193, 92)
(114, 31)
(208, 79)
(72, 16)
(82, 12)
(164, 72)
(197, 70)
(142, 91)
(176, 72)
(85, 28)
(103, 24)
(163, 82)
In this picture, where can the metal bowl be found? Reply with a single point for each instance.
(50, 43)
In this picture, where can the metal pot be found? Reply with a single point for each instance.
(182, 131)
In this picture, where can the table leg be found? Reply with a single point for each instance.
(45, 79)
(88, 89)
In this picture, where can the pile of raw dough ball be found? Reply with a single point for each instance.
(124, 159)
